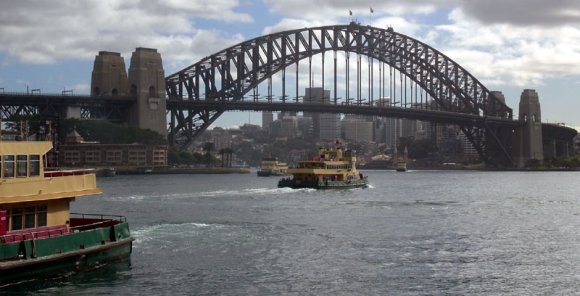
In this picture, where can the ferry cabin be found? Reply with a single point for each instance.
(34, 201)
(329, 165)
(272, 165)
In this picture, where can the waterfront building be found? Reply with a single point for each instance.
(112, 155)
(78, 153)
(467, 148)
(221, 139)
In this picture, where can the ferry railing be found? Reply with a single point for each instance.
(83, 222)
(22, 235)
(51, 172)
(99, 216)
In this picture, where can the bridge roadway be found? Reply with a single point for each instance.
(382, 111)
(29, 104)
(115, 108)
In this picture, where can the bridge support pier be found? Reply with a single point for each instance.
(109, 77)
(145, 82)
(528, 146)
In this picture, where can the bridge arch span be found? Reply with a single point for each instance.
(228, 75)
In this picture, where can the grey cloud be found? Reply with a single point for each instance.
(524, 12)
(40, 32)
(339, 8)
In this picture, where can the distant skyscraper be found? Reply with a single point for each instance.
(357, 128)
(267, 119)
(388, 130)
(326, 126)
(288, 127)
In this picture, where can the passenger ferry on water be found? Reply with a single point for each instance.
(270, 166)
(38, 234)
(332, 168)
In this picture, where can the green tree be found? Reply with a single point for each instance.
(229, 152)
(222, 152)
(106, 132)
(208, 147)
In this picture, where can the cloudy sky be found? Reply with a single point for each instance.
(509, 45)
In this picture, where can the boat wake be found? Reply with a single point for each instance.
(245, 192)
(248, 192)
(166, 231)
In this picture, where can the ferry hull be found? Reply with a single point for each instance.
(64, 254)
(297, 184)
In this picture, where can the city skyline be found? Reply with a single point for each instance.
(51, 46)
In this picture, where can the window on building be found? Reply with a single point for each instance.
(114, 156)
(93, 156)
(29, 217)
(8, 166)
(34, 165)
(22, 166)
(72, 157)
(16, 217)
(137, 157)
(159, 157)
(41, 216)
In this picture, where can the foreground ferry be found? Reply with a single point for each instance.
(38, 234)
(332, 168)
(270, 166)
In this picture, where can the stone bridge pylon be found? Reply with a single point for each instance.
(145, 82)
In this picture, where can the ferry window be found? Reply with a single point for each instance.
(21, 166)
(16, 219)
(34, 168)
(41, 216)
(8, 166)
(29, 217)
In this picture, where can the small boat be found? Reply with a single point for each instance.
(105, 172)
(332, 168)
(401, 161)
(401, 166)
(270, 166)
(39, 236)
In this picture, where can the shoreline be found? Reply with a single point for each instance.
(111, 171)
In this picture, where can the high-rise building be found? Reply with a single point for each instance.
(468, 150)
(357, 128)
(325, 126)
(388, 130)
(267, 119)
(288, 127)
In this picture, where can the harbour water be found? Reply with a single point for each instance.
(413, 233)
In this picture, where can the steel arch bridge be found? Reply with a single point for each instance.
(201, 92)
